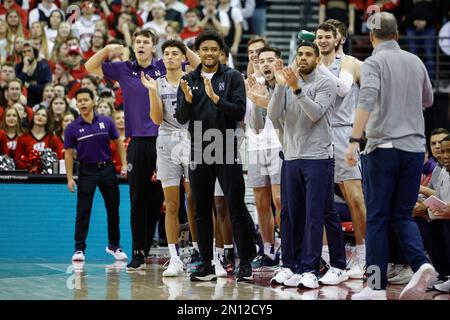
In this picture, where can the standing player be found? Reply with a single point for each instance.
(146, 197)
(172, 147)
(342, 70)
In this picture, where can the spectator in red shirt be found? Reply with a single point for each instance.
(3, 143)
(112, 14)
(11, 124)
(98, 41)
(13, 95)
(9, 5)
(119, 121)
(193, 28)
(74, 60)
(39, 137)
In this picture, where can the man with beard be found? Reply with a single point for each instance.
(34, 73)
(259, 95)
(342, 69)
(212, 98)
(305, 111)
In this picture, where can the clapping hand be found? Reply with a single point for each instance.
(186, 90)
(278, 71)
(148, 82)
(210, 90)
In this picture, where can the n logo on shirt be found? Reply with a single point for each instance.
(157, 73)
(101, 125)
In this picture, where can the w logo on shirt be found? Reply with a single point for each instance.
(40, 146)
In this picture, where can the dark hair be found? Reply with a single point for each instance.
(72, 38)
(91, 78)
(328, 28)
(447, 138)
(193, 10)
(339, 25)
(174, 43)
(226, 50)
(50, 107)
(257, 39)
(438, 131)
(270, 49)
(148, 33)
(85, 90)
(104, 37)
(311, 45)
(209, 35)
(61, 14)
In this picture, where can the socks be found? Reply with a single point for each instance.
(326, 254)
(269, 250)
(361, 252)
(173, 249)
(219, 252)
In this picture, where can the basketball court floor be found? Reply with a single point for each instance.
(105, 280)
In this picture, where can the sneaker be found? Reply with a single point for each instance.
(265, 264)
(415, 290)
(393, 270)
(443, 287)
(137, 263)
(204, 273)
(334, 276)
(174, 269)
(245, 271)
(228, 263)
(403, 277)
(116, 252)
(369, 294)
(433, 283)
(195, 261)
(293, 281)
(220, 271)
(281, 276)
(309, 280)
(357, 270)
(78, 256)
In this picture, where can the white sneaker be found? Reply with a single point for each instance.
(357, 270)
(443, 287)
(309, 280)
(118, 253)
(369, 294)
(78, 256)
(415, 290)
(402, 277)
(174, 269)
(293, 281)
(393, 270)
(334, 276)
(281, 276)
(220, 271)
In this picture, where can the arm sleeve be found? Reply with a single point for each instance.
(256, 119)
(69, 140)
(344, 82)
(235, 108)
(324, 99)
(113, 132)
(277, 104)
(112, 70)
(370, 85)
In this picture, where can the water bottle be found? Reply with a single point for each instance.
(305, 35)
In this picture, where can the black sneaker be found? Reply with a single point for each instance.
(228, 262)
(245, 271)
(137, 263)
(204, 273)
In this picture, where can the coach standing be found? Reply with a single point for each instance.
(90, 136)
(395, 87)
